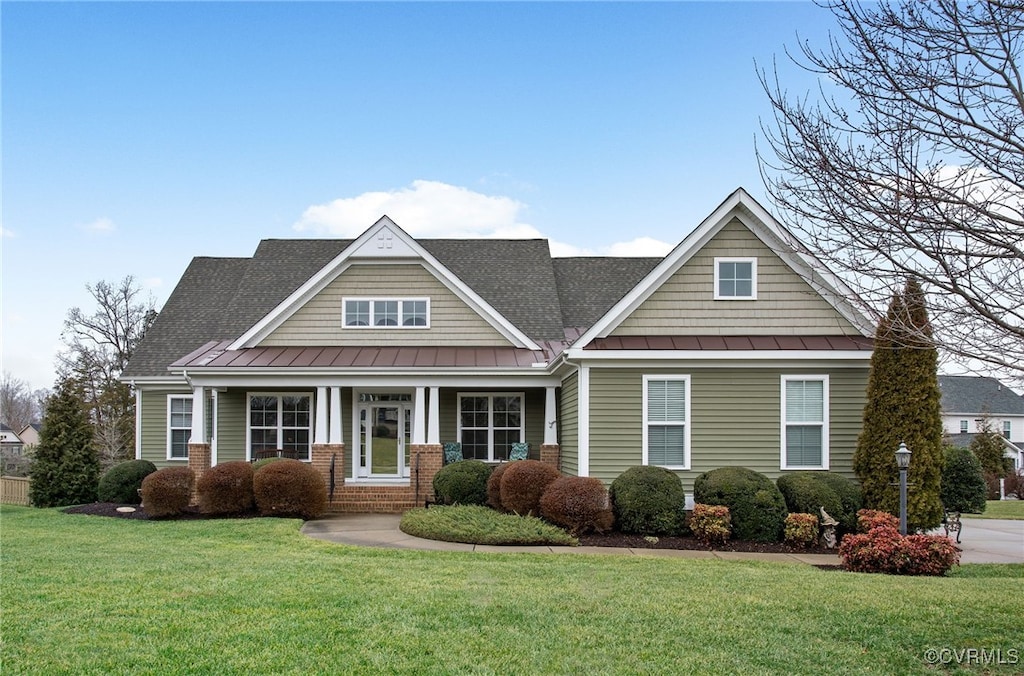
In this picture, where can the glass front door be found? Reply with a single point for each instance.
(384, 433)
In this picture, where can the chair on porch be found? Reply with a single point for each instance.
(452, 452)
(520, 451)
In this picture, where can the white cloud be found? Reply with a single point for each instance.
(100, 226)
(436, 209)
(7, 234)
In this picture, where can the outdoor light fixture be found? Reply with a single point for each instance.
(903, 462)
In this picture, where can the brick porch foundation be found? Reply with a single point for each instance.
(424, 462)
(551, 454)
(199, 459)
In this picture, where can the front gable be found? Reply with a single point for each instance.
(384, 262)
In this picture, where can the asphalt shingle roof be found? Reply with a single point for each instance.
(973, 394)
(589, 287)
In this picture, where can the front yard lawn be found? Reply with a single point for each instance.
(92, 595)
(1000, 509)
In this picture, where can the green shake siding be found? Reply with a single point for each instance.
(734, 416)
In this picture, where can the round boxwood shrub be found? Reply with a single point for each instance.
(260, 464)
(755, 504)
(648, 500)
(167, 492)
(462, 483)
(577, 503)
(963, 481)
(289, 488)
(494, 487)
(522, 484)
(807, 494)
(848, 491)
(226, 489)
(122, 482)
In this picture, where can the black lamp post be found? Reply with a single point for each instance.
(903, 462)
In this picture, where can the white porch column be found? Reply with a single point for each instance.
(198, 416)
(434, 418)
(337, 429)
(550, 423)
(419, 417)
(320, 432)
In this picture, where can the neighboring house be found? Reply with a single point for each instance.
(968, 400)
(30, 434)
(365, 356)
(10, 442)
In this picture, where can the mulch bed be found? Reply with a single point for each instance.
(613, 539)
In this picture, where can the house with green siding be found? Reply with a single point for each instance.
(367, 357)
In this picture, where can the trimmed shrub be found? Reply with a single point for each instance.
(1015, 484)
(167, 492)
(523, 483)
(849, 497)
(579, 504)
(756, 505)
(122, 482)
(462, 483)
(648, 500)
(801, 530)
(710, 524)
(870, 519)
(884, 550)
(226, 489)
(289, 488)
(963, 483)
(805, 494)
(494, 487)
(260, 464)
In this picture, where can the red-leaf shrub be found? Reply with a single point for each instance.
(1014, 484)
(870, 519)
(884, 550)
(494, 487)
(290, 488)
(711, 524)
(226, 488)
(577, 503)
(522, 484)
(801, 530)
(167, 492)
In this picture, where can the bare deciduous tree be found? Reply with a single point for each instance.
(19, 405)
(911, 163)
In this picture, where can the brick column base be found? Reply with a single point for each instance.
(424, 462)
(199, 459)
(551, 454)
(320, 457)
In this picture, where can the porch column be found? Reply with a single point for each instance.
(337, 435)
(320, 433)
(198, 416)
(419, 416)
(550, 452)
(433, 421)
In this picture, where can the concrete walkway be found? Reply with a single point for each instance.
(982, 541)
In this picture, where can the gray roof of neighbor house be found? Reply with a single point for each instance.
(964, 439)
(977, 395)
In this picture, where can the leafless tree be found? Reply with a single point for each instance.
(98, 346)
(19, 405)
(909, 163)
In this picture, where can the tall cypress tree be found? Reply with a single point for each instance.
(66, 469)
(903, 406)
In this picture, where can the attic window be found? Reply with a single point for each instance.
(383, 313)
(735, 279)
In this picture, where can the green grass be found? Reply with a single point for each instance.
(481, 526)
(1001, 509)
(91, 595)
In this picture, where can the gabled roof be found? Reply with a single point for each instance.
(742, 206)
(974, 395)
(587, 287)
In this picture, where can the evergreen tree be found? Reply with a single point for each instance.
(963, 485)
(903, 406)
(66, 469)
(988, 447)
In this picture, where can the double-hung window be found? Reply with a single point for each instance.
(735, 279)
(489, 424)
(804, 422)
(963, 427)
(380, 313)
(1006, 429)
(280, 422)
(179, 426)
(666, 425)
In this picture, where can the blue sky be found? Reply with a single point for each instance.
(138, 135)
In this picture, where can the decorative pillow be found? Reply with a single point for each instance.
(520, 451)
(452, 452)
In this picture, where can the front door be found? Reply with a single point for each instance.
(384, 434)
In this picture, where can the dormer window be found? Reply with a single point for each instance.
(735, 279)
(381, 313)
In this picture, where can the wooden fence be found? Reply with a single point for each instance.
(14, 490)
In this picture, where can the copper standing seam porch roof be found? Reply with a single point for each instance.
(216, 355)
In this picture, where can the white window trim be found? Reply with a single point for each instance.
(964, 427)
(168, 427)
(687, 423)
(372, 326)
(753, 277)
(824, 423)
(280, 419)
(490, 417)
